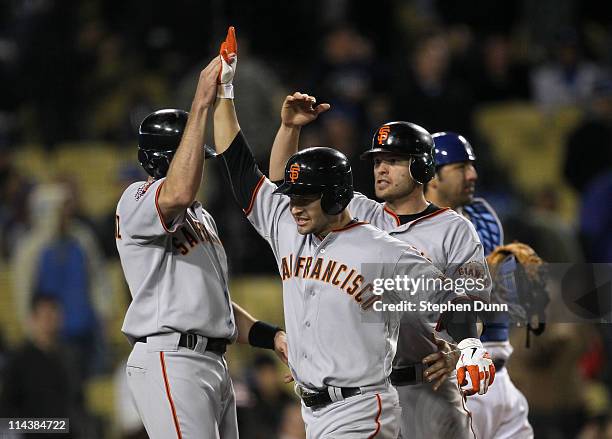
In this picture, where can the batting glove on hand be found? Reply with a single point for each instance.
(475, 363)
(229, 59)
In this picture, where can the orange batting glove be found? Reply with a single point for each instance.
(229, 59)
(474, 363)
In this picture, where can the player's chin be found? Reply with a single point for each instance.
(381, 192)
(467, 198)
(305, 229)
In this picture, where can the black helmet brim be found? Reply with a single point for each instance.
(283, 189)
(367, 154)
(288, 188)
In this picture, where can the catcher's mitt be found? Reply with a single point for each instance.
(519, 276)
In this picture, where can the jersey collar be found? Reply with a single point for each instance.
(409, 224)
(353, 223)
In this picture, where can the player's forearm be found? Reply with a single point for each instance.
(257, 333)
(284, 146)
(226, 124)
(244, 322)
(185, 173)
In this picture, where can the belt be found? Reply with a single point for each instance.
(189, 341)
(324, 397)
(407, 375)
(499, 364)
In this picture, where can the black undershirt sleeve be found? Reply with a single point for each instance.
(462, 324)
(241, 170)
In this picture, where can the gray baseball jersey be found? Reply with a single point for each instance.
(331, 342)
(444, 237)
(177, 273)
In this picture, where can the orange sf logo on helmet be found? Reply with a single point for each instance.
(383, 133)
(294, 172)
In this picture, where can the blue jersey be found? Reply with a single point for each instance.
(491, 234)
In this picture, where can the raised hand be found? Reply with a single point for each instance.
(207, 83)
(299, 109)
(228, 54)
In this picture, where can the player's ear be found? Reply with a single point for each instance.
(433, 183)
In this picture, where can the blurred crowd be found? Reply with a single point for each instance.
(89, 71)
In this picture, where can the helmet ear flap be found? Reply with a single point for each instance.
(335, 200)
(162, 164)
(155, 163)
(422, 168)
(144, 157)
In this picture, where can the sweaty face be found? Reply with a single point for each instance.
(392, 179)
(308, 214)
(456, 183)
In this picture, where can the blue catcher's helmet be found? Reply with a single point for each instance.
(452, 148)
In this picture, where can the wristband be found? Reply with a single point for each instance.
(261, 335)
(469, 343)
(225, 91)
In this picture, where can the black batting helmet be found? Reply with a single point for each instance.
(159, 136)
(320, 170)
(410, 139)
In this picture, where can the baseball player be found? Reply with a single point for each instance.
(403, 162)
(181, 317)
(502, 412)
(328, 263)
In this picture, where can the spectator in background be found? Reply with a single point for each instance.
(596, 219)
(427, 94)
(499, 77)
(269, 400)
(60, 256)
(588, 168)
(46, 45)
(292, 425)
(568, 79)
(556, 411)
(600, 428)
(348, 71)
(117, 89)
(3, 352)
(39, 381)
(14, 215)
(593, 140)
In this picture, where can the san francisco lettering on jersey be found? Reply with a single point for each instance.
(328, 270)
(185, 238)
